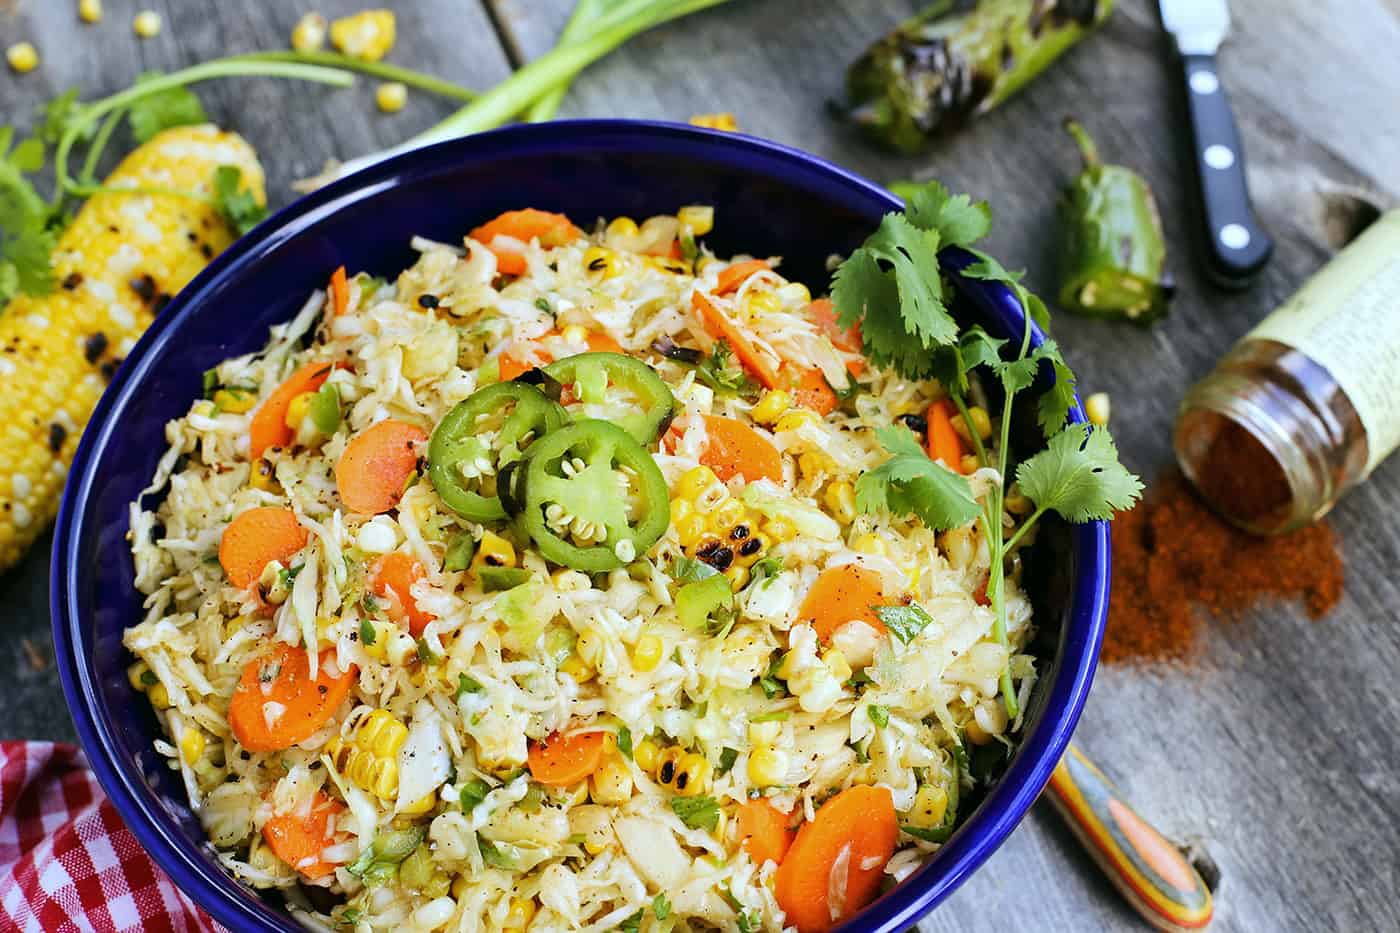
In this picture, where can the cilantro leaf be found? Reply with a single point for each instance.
(727, 757)
(697, 812)
(989, 269)
(162, 110)
(632, 924)
(722, 372)
(957, 219)
(909, 483)
(58, 114)
(27, 228)
(624, 741)
(368, 636)
(1055, 403)
(879, 715)
(661, 906)
(467, 684)
(237, 204)
(1078, 475)
(904, 623)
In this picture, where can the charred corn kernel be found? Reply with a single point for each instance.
(90, 11)
(738, 576)
(767, 766)
(716, 121)
(577, 668)
(66, 343)
(980, 420)
(759, 301)
(796, 418)
(589, 647)
(668, 765)
(601, 261)
(647, 652)
(574, 333)
(647, 755)
(623, 227)
(765, 733)
(140, 677)
(309, 34)
(23, 57)
(837, 665)
(493, 551)
(681, 509)
(667, 264)
(159, 696)
(690, 530)
(969, 464)
(700, 218)
(1098, 408)
(930, 803)
(261, 475)
(725, 516)
(749, 553)
(147, 24)
(695, 481)
(236, 401)
(611, 784)
(693, 775)
(391, 96)
(298, 409)
(369, 755)
(368, 35)
(191, 746)
(780, 529)
(401, 648)
(771, 407)
(840, 499)
(869, 543)
(522, 911)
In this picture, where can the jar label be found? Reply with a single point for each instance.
(1347, 319)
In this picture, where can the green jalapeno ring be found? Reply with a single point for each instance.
(591, 495)
(454, 440)
(593, 372)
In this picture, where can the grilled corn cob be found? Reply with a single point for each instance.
(117, 264)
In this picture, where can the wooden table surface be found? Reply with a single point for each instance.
(1280, 757)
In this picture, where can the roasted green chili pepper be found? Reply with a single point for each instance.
(1114, 256)
(957, 60)
(463, 467)
(593, 498)
(592, 375)
(495, 579)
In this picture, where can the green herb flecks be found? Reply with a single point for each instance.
(697, 812)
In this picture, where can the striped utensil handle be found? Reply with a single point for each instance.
(1147, 869)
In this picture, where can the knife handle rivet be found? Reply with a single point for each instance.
(1233, 236)
(1204, 82)
(1218, 157)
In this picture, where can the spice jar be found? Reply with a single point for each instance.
(1307, 403)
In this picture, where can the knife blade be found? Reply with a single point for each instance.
(1237, 246)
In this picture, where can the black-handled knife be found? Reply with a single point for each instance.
(1237, 247)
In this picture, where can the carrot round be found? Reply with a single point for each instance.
(257, 537)
(563, 760)
(529, 224)
(284, 678)
(823, 313)
(376, 464)
(842, 594)
(340, 292)
(943, 441)
(735, 449)
(718, 325)
(297, 840)
(763, 831)
(269, 425)
(859, 821)
(810, 389)
(394, 576)
(735, 275)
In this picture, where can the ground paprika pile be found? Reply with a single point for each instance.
(1177, 567)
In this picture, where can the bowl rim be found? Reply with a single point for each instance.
(224, 897)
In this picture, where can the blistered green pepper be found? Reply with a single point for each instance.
(1113, 253)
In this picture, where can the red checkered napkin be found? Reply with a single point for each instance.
(67, 862)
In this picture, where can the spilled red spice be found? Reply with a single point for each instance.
(1178, 567)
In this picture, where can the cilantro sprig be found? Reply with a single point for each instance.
(894, 287)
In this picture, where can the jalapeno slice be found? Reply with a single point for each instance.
(479, 437)
(594, 499)
(592, 375)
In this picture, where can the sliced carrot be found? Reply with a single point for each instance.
(943, 441)
(561, 761)
(257, 537)
(529, 224)
(735, 275)
(299, 840)
(340, 292)
(735, 449)
(394, 576)
(810, 389)
(843, 594)
(512, 366)
(823, 313)
(284, 678)
(860, 822)
(376, 465)
(763, 831)
(718, 325)
(269, 425)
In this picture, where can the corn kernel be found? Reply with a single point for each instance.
(812, 464)
(460, 885)
(760, 301)
(622, 227)
(1017, 502)
(738, 576)
(391, 96)
(870, 543)
(191, 746)
(421, 805)
(647, 652)
(611, 784)
(980, 420)
(298, 409)
(23, 57)
(159, 696)
(90, 11)
(771, 407)
(681, 509)
(695, 481)
(1098, 408)
(930, 804)
(368, 35)
(780, 529)
(837, 665)
(382, 633)
(493, 551)
(570, 581)
(693, 775)
(958, 547)
(716, 121)
(309, 34)
(765, 733)
(796, 419)
(577, 668)
(522, 911)
(730, 512)
(748, 560)
(646, 754)
(261, 475)
(795, 293)
(767, 766)
(147, 24)
(601, 261)
(840, 499)
(969, 464)
(700, 218)
(137, 676)
(590, 647)
(975, 733)
(236, 401)
(575, 334)
(401, 648)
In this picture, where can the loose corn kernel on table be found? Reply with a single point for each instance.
(1280, 756)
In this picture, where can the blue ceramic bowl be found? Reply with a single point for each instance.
(769, 200)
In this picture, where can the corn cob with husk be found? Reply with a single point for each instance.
(116, 265)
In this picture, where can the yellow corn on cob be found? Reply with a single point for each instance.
(116, 265)
(370, 755)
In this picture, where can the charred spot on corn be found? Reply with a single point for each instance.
(94, 345)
